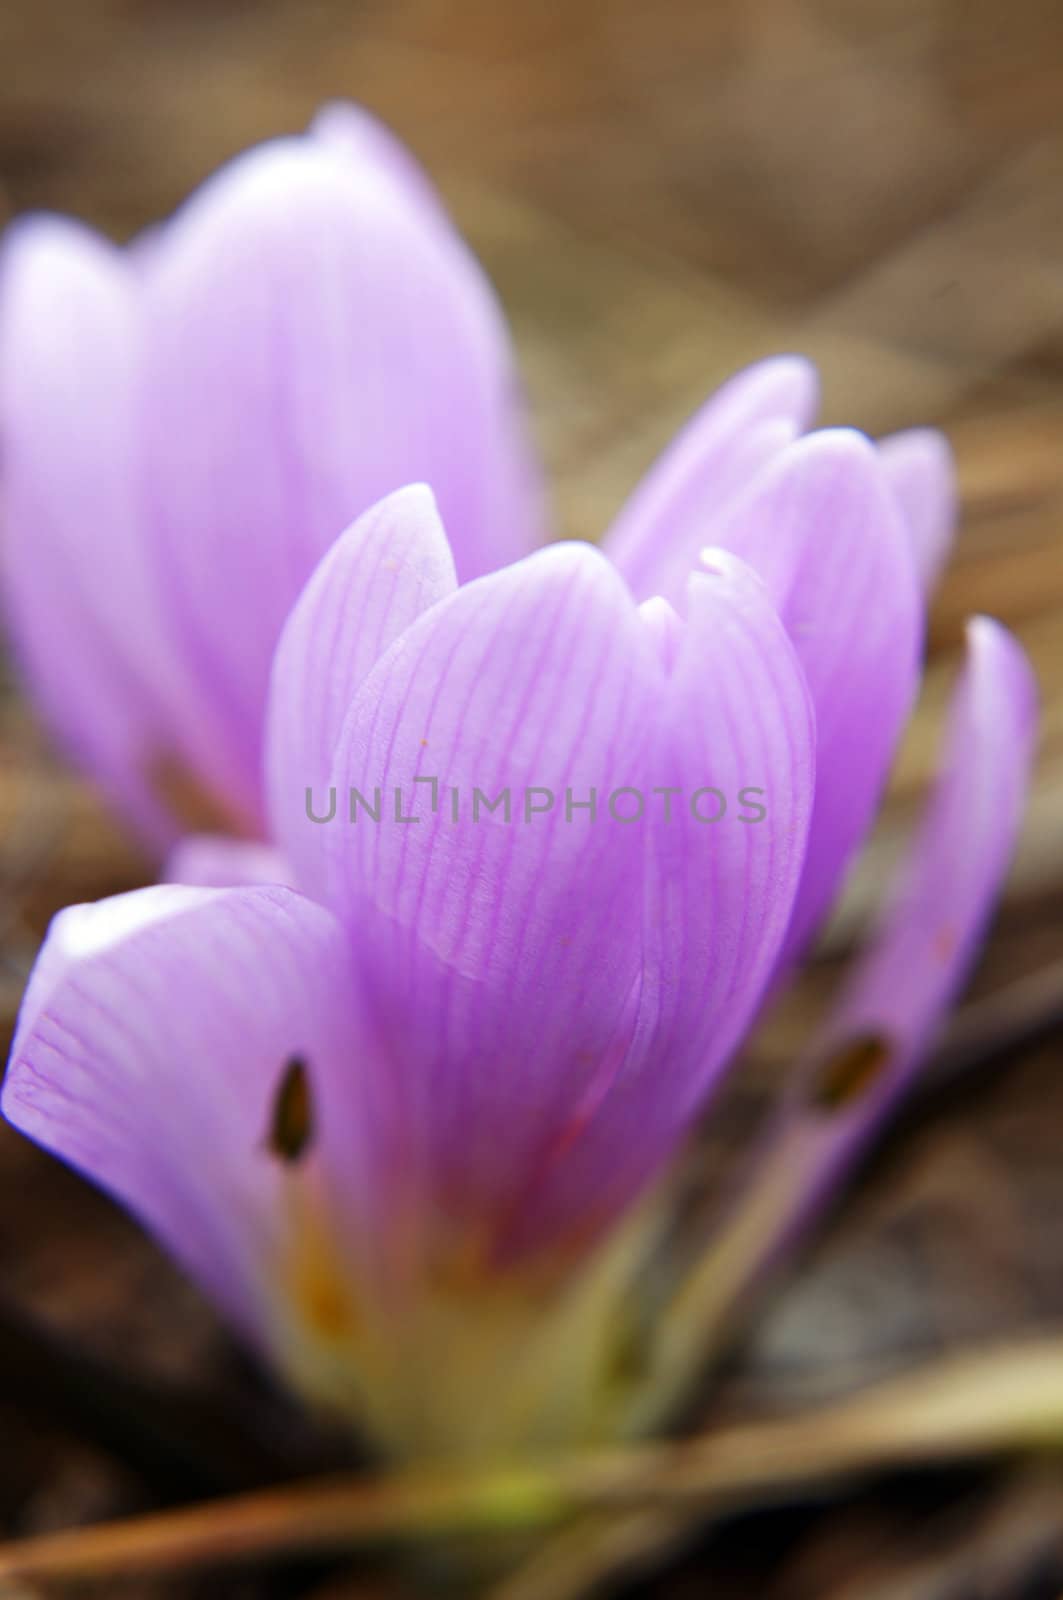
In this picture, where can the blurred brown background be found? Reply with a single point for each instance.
(661, 193)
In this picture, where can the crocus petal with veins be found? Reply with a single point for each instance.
(186, 427)
(734, 711)
(680, 504)
(393, 564)
(313, 345)
(502, 972)
(820, 527)
(149, 1050)
(922, 953)
(877, 1035)
(823, 519)
(669, 518)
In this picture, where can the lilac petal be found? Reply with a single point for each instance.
(155, 1032)
(902, 988)
(733, 713)
(877, 1035)
(737, 713)
(377, 579)
(948, 889)
(504, 956)
(81, 609)
(922, 474)
(555, 996)
(355, 134)
(671, 517)
(312, 346)
(821, 529)
(214, 861)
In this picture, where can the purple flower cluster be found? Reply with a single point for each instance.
(380, 1088)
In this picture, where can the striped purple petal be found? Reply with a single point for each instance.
(656, 540)
(393, 564)
(154, 1039)
(878, 1034)
(549, 981)
(820, 527)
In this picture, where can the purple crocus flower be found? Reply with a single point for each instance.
(395, 1119)
(186, 426)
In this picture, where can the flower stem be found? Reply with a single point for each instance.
(1005, 1400)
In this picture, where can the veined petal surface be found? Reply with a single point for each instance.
(902, 987)
(376, 580)
(152, 1042)
(820, 527)
(734, 740)
(671, 516)
(313, 346)
(500, 928)
(546, 982)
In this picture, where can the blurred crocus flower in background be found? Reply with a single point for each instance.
(186, 425)
(402, 1119)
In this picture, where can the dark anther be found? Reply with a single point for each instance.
(847, 1074)
(291, 1126)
